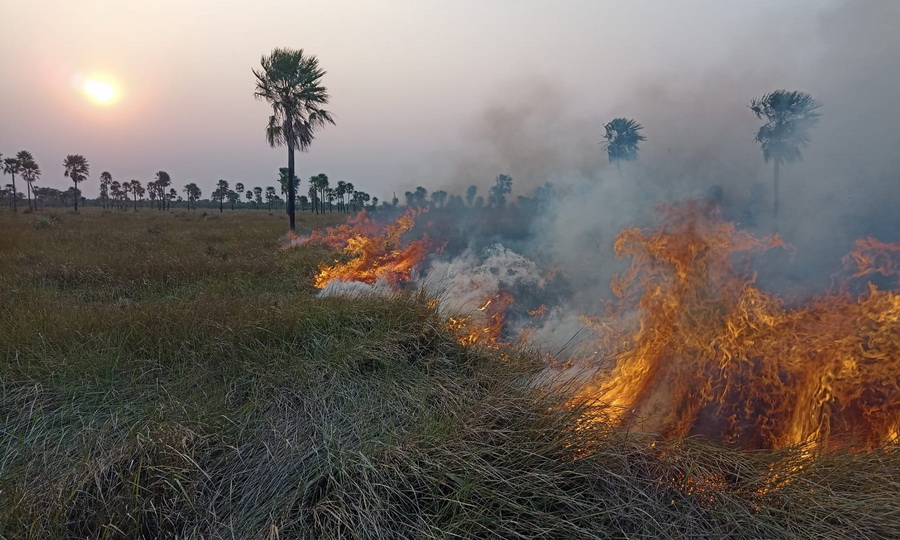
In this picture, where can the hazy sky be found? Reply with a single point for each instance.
(423, 92)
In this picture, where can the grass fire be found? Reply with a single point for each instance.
(573, 270)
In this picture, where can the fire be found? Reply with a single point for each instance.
(338, 236)
(370, 251)
(487, 327)
(697, 349)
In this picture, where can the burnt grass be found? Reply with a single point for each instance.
(173, 375)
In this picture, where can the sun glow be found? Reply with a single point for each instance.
(101, 92)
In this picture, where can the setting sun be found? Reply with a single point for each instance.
(100, 92)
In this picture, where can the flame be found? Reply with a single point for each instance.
(698, 349)
(486, 327)
(370, 251)
(338, 237)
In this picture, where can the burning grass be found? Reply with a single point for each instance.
(171, 392)
(711, 354)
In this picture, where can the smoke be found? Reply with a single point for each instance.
(699, 130)
(700, 145)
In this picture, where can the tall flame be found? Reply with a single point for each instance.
(698, 349)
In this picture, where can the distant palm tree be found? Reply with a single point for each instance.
(470, 195)
(77, 169)
(138, 191)
(291, 82)
(221, 193)
(249, 196)
(105, 180)
(193, 194)
(12, 166)
(270, 196)
(622, 140)
(115, 189)
(30, 173)
(163, 180)
(789, 118)
(498, 192)
(257, 196)
(340, 191)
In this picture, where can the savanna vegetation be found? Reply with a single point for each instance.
(173, 375)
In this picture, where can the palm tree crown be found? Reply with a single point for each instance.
(622, 139)
(789, 118)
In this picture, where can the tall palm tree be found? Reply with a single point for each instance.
(622, 140)
(291, 82)
(138, 191)
(340, 190)
(105, 180)
(221, 193)
(163, 180)
(193, 194)
(257, 196)
(790, 116)
(30, 173)
(77, 169)
(12, 166)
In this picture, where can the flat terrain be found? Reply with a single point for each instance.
(172, 374)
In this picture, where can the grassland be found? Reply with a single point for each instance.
(173, 375)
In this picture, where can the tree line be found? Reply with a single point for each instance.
(291, 82)
(160, 192)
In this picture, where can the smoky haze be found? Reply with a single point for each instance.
(700, 133)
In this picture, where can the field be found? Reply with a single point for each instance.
(174, 375)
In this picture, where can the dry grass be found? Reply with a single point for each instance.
(172, 375)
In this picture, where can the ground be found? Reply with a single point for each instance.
(173, 374)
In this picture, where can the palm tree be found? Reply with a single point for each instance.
(249, 196)
(789, 118)
(232, 197)
(239, 188)
(163, 180)
(270, 196)
(193, 194)
(470, 195)
(340, 190)
(622, 140)
(257, 196)
(291, 82)
(105, 180)
(221, 193)
(138, 191)
(12, 166)
(77, 169)
(30, 173)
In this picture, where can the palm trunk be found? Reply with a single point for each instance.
(75, 195)
(291, 192)
(775, 192)
(28, 191)
(15, 194)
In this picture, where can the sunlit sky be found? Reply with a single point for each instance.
(410, 81)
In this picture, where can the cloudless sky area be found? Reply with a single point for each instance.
(412, 83)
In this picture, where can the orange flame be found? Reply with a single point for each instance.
(709, 353)
(486, 328)
(371, 252)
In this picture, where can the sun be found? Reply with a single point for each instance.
(101, 92)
